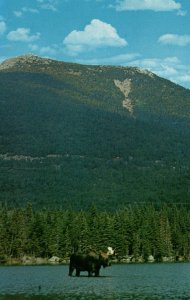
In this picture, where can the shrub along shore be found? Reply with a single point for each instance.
(138, 233)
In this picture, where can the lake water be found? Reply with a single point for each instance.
(135, 281)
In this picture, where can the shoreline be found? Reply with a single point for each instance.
(39, 261)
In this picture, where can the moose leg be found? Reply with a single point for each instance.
(77, 272)
(89, 273)
(97, 272)
(71, 269)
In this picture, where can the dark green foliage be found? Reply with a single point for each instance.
(133, 231)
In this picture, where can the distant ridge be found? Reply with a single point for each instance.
(21, 60)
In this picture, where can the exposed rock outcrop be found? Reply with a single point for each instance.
(21, 61)
(54, 260)
(125, 88)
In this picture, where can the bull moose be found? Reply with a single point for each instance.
(90, 262)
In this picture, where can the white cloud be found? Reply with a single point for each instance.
(2, 58)
(121, 59)
(22, 35)
(156, 64)
(95, 35)
(174, 39)
(46, 50)
(182, 13)
(169, 67)
(31, 10)
(168, 71)
(172, 60)
(48, 4)
(2, 27)
(155, 5)
(33, 47)
(19, 13)
(185, 78)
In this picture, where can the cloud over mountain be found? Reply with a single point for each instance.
(121, 59)
(168, 67)
(95, 35)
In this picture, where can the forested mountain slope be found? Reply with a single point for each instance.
(72, 135)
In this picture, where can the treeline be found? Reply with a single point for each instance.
(137, 231)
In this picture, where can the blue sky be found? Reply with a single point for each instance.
(151, 34)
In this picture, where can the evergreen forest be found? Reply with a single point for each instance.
(135, 232)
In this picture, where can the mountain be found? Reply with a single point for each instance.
(72, 135)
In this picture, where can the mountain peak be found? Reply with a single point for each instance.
(20, 61)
